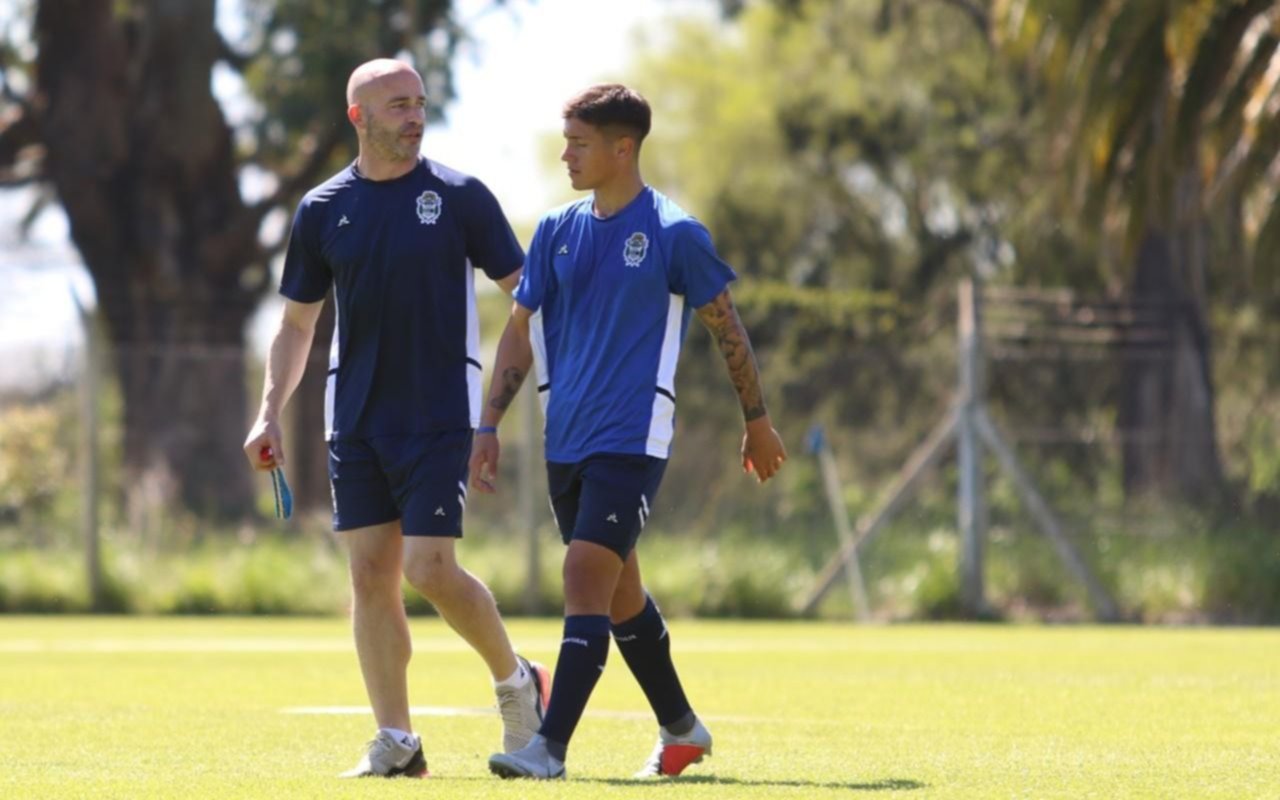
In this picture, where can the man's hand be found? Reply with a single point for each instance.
(485, 452)
(264, 446)
(762, 449)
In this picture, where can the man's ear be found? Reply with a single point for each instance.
(355, 114)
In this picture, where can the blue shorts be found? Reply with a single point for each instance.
(605, 498)
(419, 479)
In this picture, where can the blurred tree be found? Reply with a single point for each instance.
(1162, 116)
(176, 203)
(853, 159)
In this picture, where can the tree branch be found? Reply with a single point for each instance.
(318, 153)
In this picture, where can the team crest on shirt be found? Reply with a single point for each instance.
(429, 204)
(635, 249)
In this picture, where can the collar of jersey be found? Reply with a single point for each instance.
(624, 211)
(360, 176)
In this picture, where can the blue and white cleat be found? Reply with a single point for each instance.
(531, 761)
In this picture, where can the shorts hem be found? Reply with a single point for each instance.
(342, 528)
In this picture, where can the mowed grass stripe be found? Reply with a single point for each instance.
(191, 708)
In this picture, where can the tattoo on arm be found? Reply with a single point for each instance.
(721, 318)
(512, 379)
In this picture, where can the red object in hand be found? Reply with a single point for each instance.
(265, 453)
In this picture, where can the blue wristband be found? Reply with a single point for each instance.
(486, 429)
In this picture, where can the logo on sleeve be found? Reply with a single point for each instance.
(634, 251)
(429, 204)
(344, 221)
(563, 251)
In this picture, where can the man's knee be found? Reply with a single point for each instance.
(372, 575)
(434, 572)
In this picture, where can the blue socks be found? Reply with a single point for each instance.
(646, 647)
(583, 653)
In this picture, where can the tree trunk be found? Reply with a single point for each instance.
(1167, 408)
(185, 415)
(142, 161)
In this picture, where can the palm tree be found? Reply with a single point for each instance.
(1164, 119)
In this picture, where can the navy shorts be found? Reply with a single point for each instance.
(605, 498)
(419, 479)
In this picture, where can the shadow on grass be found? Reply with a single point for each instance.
(886, 785)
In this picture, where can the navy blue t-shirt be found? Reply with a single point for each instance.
(401, 256)
(613, 298)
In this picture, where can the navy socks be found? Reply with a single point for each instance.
(646, 647)
(583, 653)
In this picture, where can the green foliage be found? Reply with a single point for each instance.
(1240, 582)
(851, 162)
(33, 582)
(35, 463)
(299, 55)
(824, 150)
(1263, 455)
(1160, 567)
(1249, 405)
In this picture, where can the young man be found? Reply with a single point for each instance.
(396, 235)
(604, 301)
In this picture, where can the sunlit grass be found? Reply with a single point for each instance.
(200, 707)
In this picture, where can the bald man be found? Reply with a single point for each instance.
(398, 237)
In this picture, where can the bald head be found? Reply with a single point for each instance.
(374, 72)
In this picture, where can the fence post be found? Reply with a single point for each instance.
(840, 517)
(89, 465)
(971, 503)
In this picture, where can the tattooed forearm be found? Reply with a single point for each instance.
(503, 394)
(721, 318)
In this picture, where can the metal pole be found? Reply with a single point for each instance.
(89, 468)
(891, 500)
(971, 504)
(1104, 605)
(840, 515)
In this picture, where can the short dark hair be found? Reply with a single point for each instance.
(611, 105)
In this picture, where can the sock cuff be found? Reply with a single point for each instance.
(586, 625)
(650, 619)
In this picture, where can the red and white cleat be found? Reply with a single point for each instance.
(673, 754)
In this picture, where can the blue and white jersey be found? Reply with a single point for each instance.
(613, 298)
(401, 257)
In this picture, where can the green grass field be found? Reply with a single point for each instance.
(217, 708)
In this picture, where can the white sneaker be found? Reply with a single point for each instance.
(532, 761)
(385, 757)
(673, 753)
(522, 709)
